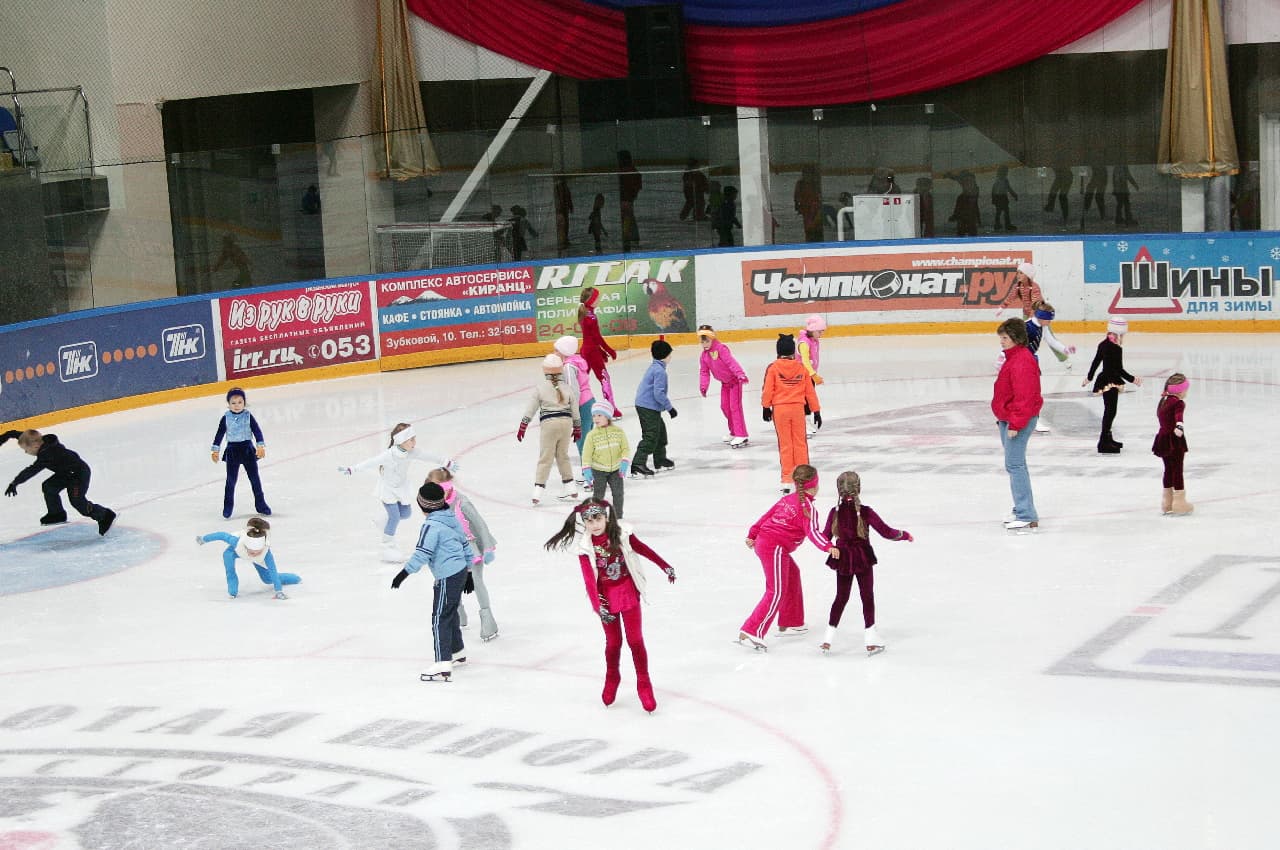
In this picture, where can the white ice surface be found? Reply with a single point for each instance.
(1110, 682)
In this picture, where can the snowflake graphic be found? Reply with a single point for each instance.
(1093, 267)
(1165, 252)
(1225, 258)
(1275, 253)
(1122, 246)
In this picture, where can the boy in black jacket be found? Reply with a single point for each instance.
(70, 473)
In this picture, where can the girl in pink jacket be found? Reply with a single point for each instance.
(718, 362)
(773, 538)
(809, 353)
(607, 552)
(577, 371)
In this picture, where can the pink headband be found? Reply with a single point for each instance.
(810, 484)
(1174, 389)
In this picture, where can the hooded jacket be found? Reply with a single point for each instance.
(442, 546)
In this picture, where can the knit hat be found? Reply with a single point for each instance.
(431, 497)
(235, 391)
(552, 364)
(566, 346)
(660, 349)
(403, 436)
(706, 332)
(602, 409)
(815, 323)
(1027, 269)
(786, 345)
(1118, 325)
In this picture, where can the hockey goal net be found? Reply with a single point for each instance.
(431, 245)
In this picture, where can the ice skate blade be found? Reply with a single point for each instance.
(751, 643)
(874, 650)
(436, 677)
(488, 638)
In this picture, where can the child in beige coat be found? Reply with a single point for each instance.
(555, 401)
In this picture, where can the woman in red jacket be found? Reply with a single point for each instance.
(1016, 404)
(594, 349)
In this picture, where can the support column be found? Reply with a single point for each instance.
(753, 167)
(1217, 203)
(1192, 205)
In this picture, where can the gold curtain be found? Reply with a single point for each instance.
(1196, 135)
(406, 148)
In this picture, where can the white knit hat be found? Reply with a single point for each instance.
(1027, 269)
(1118, 325)
(566, 346)
(552, 364)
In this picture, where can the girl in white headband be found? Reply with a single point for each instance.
(396, 490)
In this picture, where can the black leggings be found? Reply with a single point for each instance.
(844, 584)
(1173, 470)
(1110, 400)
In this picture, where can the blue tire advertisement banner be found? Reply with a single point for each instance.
(115, 353)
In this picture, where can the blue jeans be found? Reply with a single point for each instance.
(1015, 463)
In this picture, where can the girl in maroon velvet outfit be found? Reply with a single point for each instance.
(847, 529)
(607, 551)
(594, 348)
(1170, 444)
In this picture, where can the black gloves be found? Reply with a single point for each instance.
(672, 413)
(9, 435)
(11, 490)
(768, 414)
(817, 419)
(400, 577)
(470, 585)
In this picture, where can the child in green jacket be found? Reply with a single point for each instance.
(605, 456)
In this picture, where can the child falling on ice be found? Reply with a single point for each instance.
(253, 546)
(442, 548)
(483, 545)
(245, 447)
(607, 551)
(847, 525)
(555, 402)
(395, 490)
(70, 473)
(1170, 444)
(718, 362)
(1110, 381)
(773, 538)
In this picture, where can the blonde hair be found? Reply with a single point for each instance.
(849, 486)
(439, 475)
(29, 438)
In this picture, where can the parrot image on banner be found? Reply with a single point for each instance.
(665, 311)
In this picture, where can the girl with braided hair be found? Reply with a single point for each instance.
(847, 528)
(607, 551)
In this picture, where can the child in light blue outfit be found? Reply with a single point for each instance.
(395, 488)
(443, 547)
(245, 447)
(255, 548)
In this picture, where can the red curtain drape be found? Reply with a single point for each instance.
(910, 46)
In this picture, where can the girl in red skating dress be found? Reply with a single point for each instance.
(594, 349)
(607, 551)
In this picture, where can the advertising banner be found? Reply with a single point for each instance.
(462, 309)
(1226, 276)
(288, 329)
(847, 282)
(648, 295)
(74, 362)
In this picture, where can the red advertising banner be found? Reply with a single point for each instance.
(431, 312)
(928, 280)
(293, 329)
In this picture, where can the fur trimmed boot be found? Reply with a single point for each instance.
(1166, 501)
(1181, 507)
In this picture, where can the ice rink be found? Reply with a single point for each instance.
(1109, 682)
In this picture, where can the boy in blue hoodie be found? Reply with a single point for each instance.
(651, 401)
(443, 548)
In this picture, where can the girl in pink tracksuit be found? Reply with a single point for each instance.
(809, 353)
(718, 362)
(577, 371)
(773, 538)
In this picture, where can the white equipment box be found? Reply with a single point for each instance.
(882, 217)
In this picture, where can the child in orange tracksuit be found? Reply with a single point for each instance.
(787, 390)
